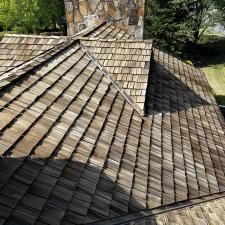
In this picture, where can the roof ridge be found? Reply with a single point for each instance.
(14, 73)
(147, 41)
(8, 77)
(130, 61)
(35, 36)
(90, 29)
(113, 81)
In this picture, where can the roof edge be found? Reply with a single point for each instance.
(147, 41)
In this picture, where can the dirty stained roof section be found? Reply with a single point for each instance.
(187, 130)
(75, 148)
(128, 61)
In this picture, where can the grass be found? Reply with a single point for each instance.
(216, 78)
(212, 56)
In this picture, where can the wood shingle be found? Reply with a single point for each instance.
(76, 149)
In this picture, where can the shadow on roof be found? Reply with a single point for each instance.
(167, 93)
(57, 191)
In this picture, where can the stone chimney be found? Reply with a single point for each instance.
(127, 14)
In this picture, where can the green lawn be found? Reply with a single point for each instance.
(216, 78)
(212, 56)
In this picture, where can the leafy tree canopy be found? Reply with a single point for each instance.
(29, 16)
(178, 24)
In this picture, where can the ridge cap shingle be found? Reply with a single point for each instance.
(147, 41)
(90, 29)
(35, 36)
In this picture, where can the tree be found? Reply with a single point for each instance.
(179, 24)
(221, 12)
(30, 16)
(50, 12)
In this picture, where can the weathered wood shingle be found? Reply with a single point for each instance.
(17, 49)
(127, 60)
(109, 30)
(75, 148)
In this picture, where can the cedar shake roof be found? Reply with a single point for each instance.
(119, 57)
(127, 60)
(210, 211)
(110, 31)
(17, 49)
(76, 149)
(63, 123)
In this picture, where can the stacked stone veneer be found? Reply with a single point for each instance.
(128, 14)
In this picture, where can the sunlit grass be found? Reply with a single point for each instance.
(212, 56)
(216, 78)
